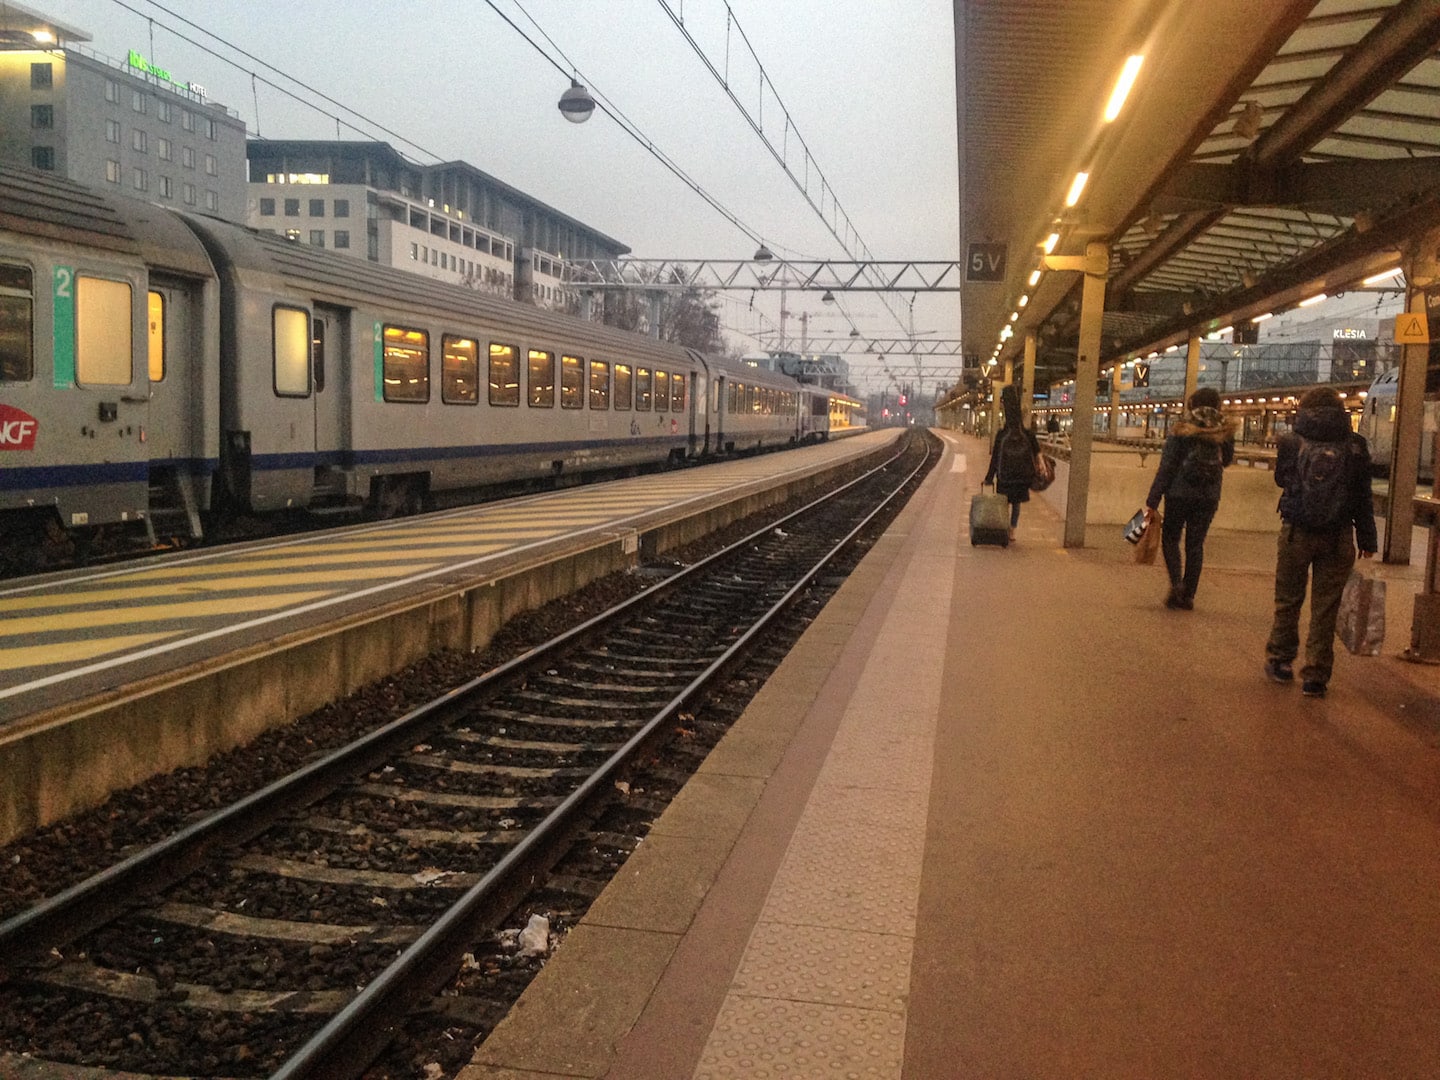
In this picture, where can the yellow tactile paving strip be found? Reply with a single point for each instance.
(96, 621)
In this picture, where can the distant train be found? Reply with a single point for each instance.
(156, 367)
(1377, 422)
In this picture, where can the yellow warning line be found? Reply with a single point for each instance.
(292, 559)
(208, 584)
(74, 652)
(84, 620)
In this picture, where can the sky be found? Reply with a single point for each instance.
(869, 86)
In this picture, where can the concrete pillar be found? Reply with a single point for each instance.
(1027, 379)
(1192, 368)
(1094, 265)
(1405, 446)
(587, 305)
(1116, 374)
(656, 300)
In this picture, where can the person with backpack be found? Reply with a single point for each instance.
(1012, 456)
(1323, 470)
(1192, 465)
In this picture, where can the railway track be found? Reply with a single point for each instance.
(296, 933)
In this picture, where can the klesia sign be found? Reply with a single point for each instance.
(17, 429)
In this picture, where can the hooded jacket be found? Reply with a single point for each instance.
(1329, 423)
(1202, 425)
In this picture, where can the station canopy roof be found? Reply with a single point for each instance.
(1268, 152)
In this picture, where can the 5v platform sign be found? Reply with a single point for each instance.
(985, 262)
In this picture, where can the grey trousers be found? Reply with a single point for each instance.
(1326, 559)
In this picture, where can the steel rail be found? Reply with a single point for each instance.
(348, 1043)
(99, 898)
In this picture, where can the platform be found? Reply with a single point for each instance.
(1002, 814)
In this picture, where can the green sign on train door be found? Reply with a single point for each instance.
(63, 308)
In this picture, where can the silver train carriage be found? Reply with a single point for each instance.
(155, 366)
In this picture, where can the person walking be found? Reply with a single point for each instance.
(1012, 456)
(1323, 469)
(1192, 465)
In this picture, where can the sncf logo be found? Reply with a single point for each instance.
(17, 429)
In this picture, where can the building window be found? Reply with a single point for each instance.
(138, 101)
(42, 116)
(187, 120)
(317, 237)
(459, 371)
(188, 192)
(209, 128)
(317, 207)
(162, 149)
(140, 180)
(187, 157)
(210, 169)
(342, 238)
(414, 252)
(167, 187)
(42, 76)
(139, 141)
(112, 91)
(342, 207)
(112, 131)
(504, 375)
(212, 200)
(267, 207)
(112, 171)
(292, 207)
(162, 110)
(406, 364)
(43, 157)
(17, 316)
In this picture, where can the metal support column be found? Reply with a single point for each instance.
(1094, 265)
(1405, 447)
(1116, 373)
(1192, 368)
(1027, 379)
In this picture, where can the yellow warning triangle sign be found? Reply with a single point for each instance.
(1412, 328)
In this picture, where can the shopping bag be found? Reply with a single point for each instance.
(1361, 622)
(1148, 546)
(1044, 472)
(1135, 527)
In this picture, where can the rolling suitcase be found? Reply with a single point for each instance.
(990, 519)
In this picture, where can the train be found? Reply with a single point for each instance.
(1377, 422)
(160, 368)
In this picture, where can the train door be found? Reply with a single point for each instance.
(721, 388)
(330, 377)
(99, 366)
(175, 361)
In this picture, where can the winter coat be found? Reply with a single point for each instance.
(1014, 491)
(1202, 425)
(1329, 424)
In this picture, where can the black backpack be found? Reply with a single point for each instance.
(1202, 466)
(1016, 467)
(1321, 488)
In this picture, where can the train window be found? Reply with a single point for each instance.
(291, 343)
(407, 364)
(156, 331)
(459, 371)
(541, 375)
(734, 394)
(642, 389)
(317, 353)
(104, 332)
(504, 375)
(662, 391)
(572, 382)
(624, 386)
(677, 393)
(599, 385)
(17, 324)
